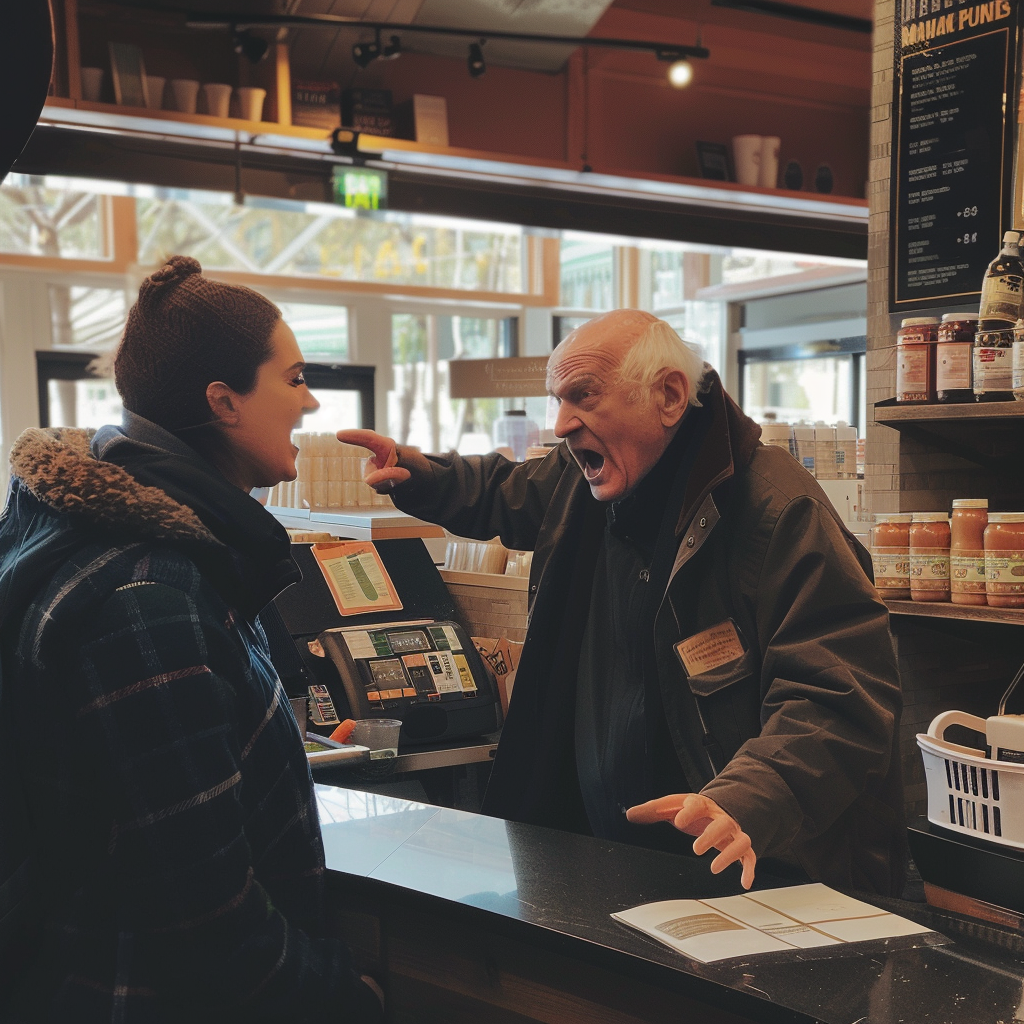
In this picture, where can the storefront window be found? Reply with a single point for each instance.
(420, 410)
(39, 221)
(83, 403)
(321, 330)
(666, 269)
(801, 389)
(588, 272)
(315, 240)
(86, 318)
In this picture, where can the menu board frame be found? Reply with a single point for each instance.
(936, 31)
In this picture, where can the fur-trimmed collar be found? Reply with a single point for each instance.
(59, 469)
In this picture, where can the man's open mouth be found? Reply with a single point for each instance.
(591, 462)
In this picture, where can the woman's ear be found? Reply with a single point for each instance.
(675, 389)
(223, 403)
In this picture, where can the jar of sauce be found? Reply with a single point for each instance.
(992, 368)
(967, 551)
(1004, 559)
(929, 557)
(915, 359)
(953, 355)
(890, 555)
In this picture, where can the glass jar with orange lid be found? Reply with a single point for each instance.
(929, 556)
(1004, 559)
(890, 555)
(967, 551)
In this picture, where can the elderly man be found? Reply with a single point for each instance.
(705, 644)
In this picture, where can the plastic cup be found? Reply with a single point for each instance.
(746, 153)
(186, 92)
(218, 99)
(155, 91)
(250, 102)
(768, 173)
(379, 734)
(92, 84)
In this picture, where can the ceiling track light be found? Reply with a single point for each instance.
(392, 50)
(475, 62)
(680, 74)
(250, 46)
(369, 52)
(364, 54)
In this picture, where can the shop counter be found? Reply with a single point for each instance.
(471, 918)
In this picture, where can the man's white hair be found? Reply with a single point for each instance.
(657, 349)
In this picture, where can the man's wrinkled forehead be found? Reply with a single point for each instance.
(600, 362)
(597, 347)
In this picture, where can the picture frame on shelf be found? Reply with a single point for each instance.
(128, 71)
(713, 158)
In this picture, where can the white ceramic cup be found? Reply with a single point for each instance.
(155, 91)
(746, 156)
(186, 92)
(92, 84)
(250, 102)
(218, 99)
(769, 170)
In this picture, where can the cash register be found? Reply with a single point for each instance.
(416, 664)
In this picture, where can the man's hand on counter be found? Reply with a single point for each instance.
(382, 469)
(701, 817)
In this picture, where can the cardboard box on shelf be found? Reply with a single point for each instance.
(502, 657)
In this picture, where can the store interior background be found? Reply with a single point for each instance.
(405, 292)
(790, 308)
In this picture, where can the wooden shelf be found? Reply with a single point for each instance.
(960, 612)
(59, 109)
(989, 434)
(894, 414)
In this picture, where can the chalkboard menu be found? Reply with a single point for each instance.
(954, 111)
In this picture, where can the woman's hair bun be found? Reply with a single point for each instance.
(175, 270)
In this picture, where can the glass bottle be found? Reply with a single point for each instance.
(1002, 286)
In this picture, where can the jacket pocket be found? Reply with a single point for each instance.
(728, 705)
(706, 684)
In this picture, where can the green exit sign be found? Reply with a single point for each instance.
(360, 188)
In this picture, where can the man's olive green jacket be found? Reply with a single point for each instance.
(798, 738)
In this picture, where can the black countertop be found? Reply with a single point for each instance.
(561, 888)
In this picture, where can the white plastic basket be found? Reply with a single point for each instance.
(969, 792)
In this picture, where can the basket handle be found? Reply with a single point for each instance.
(941, 723)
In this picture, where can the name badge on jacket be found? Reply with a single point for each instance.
(710, 649)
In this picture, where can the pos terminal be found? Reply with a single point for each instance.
(415, 663)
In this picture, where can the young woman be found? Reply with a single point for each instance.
(178, 847)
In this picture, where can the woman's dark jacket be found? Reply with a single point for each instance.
(179, 848)
(798, 738)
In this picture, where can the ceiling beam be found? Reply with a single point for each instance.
(794, 12)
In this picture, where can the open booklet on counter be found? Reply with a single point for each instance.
(767, 921)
